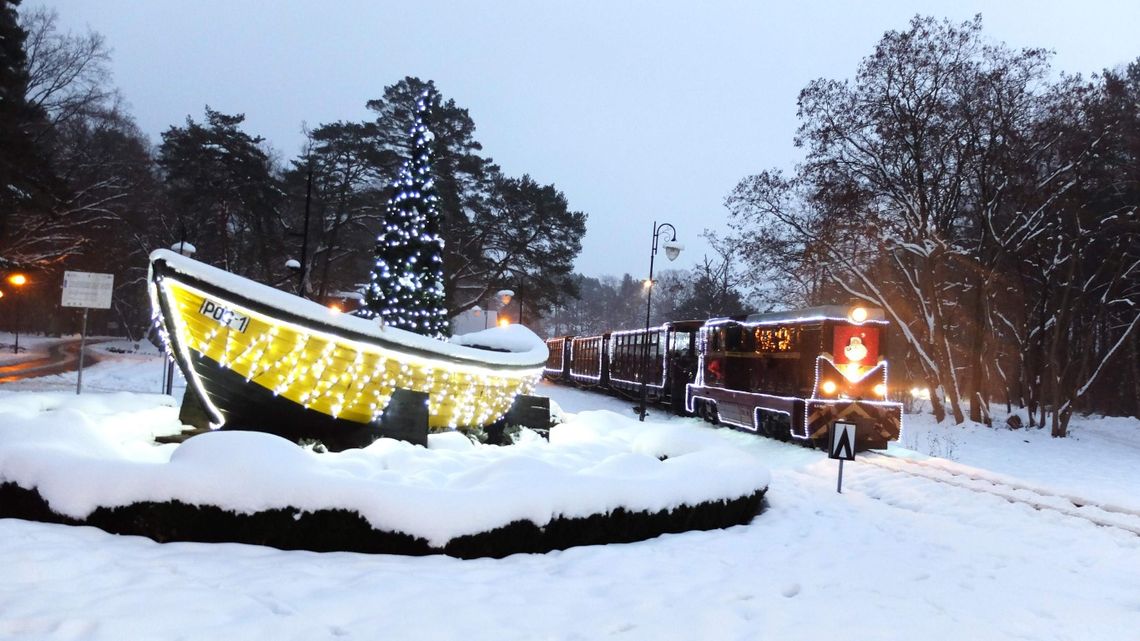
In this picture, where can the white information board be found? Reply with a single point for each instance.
(87, 289)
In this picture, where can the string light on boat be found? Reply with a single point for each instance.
(338, 376)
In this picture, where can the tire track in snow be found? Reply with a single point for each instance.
(981, 481)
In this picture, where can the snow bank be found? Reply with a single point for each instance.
(511, 338)
(79, 460)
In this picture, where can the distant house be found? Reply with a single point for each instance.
(475, 319)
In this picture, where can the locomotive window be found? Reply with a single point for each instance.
(715, 341)
(747, 341)
(732, 338)
(776, 339)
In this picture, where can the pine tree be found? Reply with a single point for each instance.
(26, 179)
(406, 288)
(221, 184)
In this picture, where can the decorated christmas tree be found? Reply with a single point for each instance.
(406, 287)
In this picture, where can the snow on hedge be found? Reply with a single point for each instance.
(82, 453)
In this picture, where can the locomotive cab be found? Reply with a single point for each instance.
(794, 374)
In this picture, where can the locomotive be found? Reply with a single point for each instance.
(788, 375)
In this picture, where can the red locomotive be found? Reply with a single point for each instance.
(787, 375)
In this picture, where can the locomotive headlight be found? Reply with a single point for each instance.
(858, 314)
(827, 387)
(881, 390)
(852, 371)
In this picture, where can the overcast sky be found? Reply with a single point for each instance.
(637, 111)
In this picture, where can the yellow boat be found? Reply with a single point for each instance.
(259, 358)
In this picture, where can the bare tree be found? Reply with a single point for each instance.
(980, 205)
(68, 74)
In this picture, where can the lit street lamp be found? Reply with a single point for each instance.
(672, 250)
(18, 281)
(504, 296)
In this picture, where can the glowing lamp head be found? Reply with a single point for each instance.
(881, 390)
(19, 280)
(858, 314)
(828, 387)
(503, 322)
(335, 309)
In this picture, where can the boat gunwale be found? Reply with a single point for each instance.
(161, 269)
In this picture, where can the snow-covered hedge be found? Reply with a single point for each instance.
(600, 478)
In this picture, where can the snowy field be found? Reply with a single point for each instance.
(893, 557)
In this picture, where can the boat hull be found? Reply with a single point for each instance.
(261, 365)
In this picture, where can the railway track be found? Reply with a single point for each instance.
(984, 482)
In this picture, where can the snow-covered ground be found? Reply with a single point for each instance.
(893, 557)
(30, 347)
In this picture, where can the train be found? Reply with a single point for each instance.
(789, 375)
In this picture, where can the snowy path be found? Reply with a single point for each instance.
(894, 557)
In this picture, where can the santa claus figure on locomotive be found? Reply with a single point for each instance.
(787, 375)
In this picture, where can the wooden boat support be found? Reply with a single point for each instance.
(262, 359)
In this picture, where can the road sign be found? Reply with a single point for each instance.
(842, 441)
(842, 447)
(87, 289)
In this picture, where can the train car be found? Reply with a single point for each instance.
(664, 357)
(588, 358)
(557, 366)
(617, 361)
(792, 375)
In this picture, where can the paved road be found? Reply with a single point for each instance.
(61, 357)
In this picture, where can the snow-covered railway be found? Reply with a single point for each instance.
(1014, 491)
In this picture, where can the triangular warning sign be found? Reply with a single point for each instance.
(842, 441)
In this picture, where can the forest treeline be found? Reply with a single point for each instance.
(986, 201)
(85, 190)
(988, 204)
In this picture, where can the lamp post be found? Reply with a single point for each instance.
(504, 296)
(17, 281)
(672, 250)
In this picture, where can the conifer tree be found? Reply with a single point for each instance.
(406, 287)
(26, 179)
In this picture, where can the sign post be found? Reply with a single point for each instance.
(87, 290)
(842, 447)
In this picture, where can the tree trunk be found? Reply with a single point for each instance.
(976, 384)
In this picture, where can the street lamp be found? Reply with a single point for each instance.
(672, 250)
(17, 280)
(504, 296)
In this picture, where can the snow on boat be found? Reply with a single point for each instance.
(263, 359)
